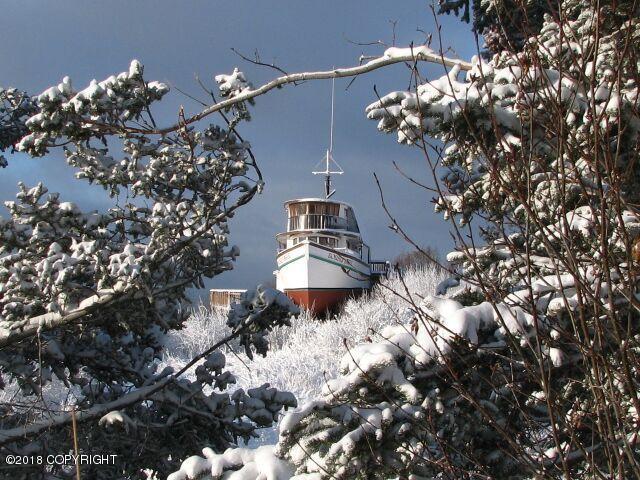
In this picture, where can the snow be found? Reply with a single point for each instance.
(557, 356)
(232, 85)
(446, 284)
(116, 417)
(239, 464)
(135, 69)
(396, 52)
(290, 422)
(375, 362)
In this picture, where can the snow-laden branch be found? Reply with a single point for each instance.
(391, 56)
(30, 326)
(243, 320)
(58, 420)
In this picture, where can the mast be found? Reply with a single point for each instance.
(327, 172)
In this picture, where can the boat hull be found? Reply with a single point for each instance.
(319, 278)
(322, 301)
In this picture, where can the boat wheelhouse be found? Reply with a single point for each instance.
(322, 258)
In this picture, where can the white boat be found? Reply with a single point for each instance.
(321, 257)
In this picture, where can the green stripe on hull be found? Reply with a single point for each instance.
(323, 260)
(338, 264)
(290, 261)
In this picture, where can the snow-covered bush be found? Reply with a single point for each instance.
(302, 356)
(86, 296)
(531, 370)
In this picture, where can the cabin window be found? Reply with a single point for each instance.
(352, 224)
(314, 215)
(317, 208)
(314, 208)
(282, 245)
(295, 210)
(329, 241)
(354, 245)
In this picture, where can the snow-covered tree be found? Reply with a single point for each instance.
(531, 369)
(86, 296)
(503, 24)
(15, 108)
(537, 374)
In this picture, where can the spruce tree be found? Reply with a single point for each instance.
(87, 296)
(529, 369)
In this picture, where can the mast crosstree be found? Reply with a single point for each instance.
(329, 160)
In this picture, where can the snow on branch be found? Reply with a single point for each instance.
(268, 308)
(31, 326)
(97, 411)
(391, 56)
(86, 297)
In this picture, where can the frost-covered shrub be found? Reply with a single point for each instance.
(302, 356)
(200, 331)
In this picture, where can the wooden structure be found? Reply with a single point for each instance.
(223, 297)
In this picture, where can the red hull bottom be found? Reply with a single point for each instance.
(322, 300)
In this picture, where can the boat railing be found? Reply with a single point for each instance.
(379, 268)
(318, 221)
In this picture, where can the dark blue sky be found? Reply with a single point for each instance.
(177, 40)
